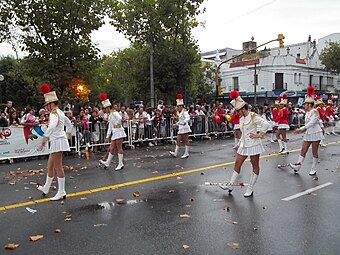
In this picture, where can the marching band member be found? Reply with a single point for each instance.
(183, 127)
(249, 145)
(235, 119)
(57, 138)
(313, 134)
(322, 117)
(275, 113)
(116, 131)
(282, 120)
(331, 115)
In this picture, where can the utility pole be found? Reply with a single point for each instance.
(255, 85)
(152, 84)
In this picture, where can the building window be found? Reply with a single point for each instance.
(298, 55)
(295, 78)
(235, 83)
(278, 81)
(321, 82)
(299, 78)
(310, 80)
(330, 81)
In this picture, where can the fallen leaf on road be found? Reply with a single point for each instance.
(312, 193)
(62, 202)
(68, 217)
(179, 178)
(185, 246)
(120, 201)
(316, 178)
(185, 216)
(188, 206)
(36, 238)
(31, 210)
(234, 222)
(83, 198)
(99, 225)
(136, 194)
(83, 168)
(172, 191)
(11, 246)
(57, 230)
(233, 245)
(155, 172)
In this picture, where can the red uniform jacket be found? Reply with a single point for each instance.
(235, 118)
(322, 114)
(275, 113)
(329, 111)
(282, 117)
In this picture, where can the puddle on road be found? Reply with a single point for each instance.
(106, 206)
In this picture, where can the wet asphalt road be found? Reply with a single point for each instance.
(151, 223)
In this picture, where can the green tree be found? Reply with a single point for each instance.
(56, 34)
(330, 57)
(164, 26)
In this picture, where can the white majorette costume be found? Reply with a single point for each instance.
(251, 125)
(115, 130)
(313, 130)
(57, 138)
(183, 127)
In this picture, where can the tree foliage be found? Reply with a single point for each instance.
(330, 57)
(56, 35)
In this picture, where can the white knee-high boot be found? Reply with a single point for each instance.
(229, 185)
(297, 165)
(120, 162)
(61, 194)
(46, 188)
(108, 161)
(174, 153)
(280, 145)
(314, 168)
(250, 188)
(186, 153)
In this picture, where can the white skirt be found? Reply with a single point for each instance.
(284, 126)
(184, 129)
(237, 126)
(314, 137)
(117, 134)
(251, 151)
(58, 145)
(275, 124)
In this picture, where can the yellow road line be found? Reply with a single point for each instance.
(120, 185)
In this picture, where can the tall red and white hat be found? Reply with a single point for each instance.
(310, 97)
(237, 100)
(318, 100)
(284, 99)
(105, 102)
(277, 101)
(179, 100)
(49, 96)
(330, 100)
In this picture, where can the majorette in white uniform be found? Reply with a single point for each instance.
(183, 128)
(313, 131)
(57, 138)
(55, 131)
(115, 126)
(183, 122)
(116, 130)
(250, 125)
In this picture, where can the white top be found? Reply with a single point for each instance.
(55, 129)
(125, 118)
(183, 120)
(115, 124)
(141, 117)
(250, 125)
(312, 124)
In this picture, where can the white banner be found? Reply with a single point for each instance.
(19, 142)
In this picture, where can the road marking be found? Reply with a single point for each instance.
(306, 192)
(120, 185)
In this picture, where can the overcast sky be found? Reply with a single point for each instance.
(228, 23)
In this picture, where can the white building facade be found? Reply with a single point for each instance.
(290, 70)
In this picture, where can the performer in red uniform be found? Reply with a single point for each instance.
(275, 113)
(235, 119)
(322, 117)
(282, 120)
(331, 115)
